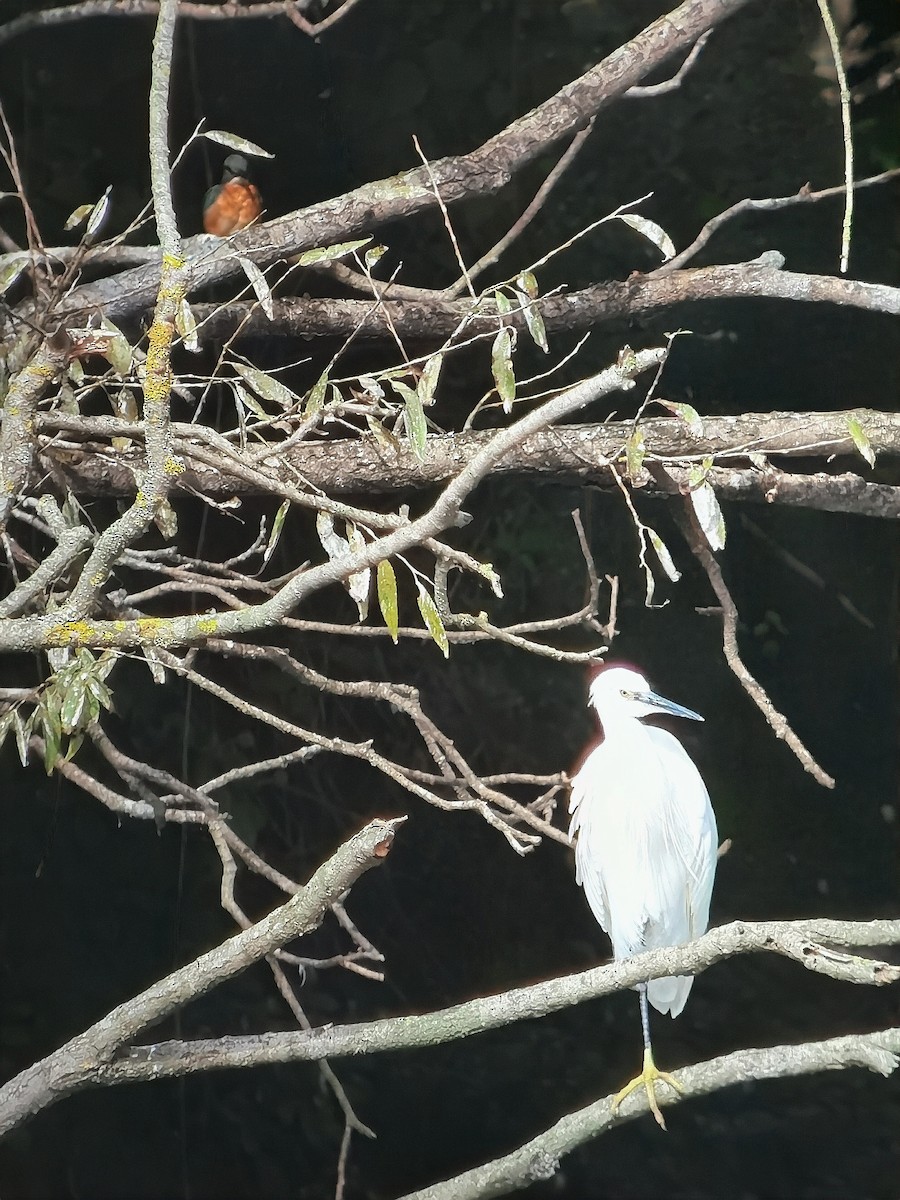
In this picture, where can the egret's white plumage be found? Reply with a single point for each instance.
(645, 849)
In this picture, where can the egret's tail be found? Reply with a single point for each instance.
(669, 995)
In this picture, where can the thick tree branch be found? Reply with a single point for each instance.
(75, 1063)
(435, 319)
(539, 1158)
(806, 942)
(572, 452)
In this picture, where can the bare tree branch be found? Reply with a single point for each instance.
(539, 1158)
(75, 1062)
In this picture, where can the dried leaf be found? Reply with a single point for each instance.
(157, 670)
(861, 440)
(662, 553)
(382, 436)
(502, 368)
(709, 514)
(433, 622)
(117, 350)
(387, 598)
(359, 584)
(77, 215)
(332, 543)
(22, 736)
(165, 520)
(652, 232)
(187, 326)
(233, 142)
(98, 216)
(259, 285)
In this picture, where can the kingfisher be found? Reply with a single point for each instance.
(233, 203)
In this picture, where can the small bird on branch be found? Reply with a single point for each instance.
(233, 203)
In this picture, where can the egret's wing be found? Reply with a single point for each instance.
(588, 866)
(689, 830)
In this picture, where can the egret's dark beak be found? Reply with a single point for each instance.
(667, 706)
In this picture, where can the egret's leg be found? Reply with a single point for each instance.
(651, 1073)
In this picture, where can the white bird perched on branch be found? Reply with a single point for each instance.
(645, 852)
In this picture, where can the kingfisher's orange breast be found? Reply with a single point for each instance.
(237, 203)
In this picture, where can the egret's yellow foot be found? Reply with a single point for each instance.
(648, 1077)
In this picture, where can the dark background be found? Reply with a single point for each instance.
(92, 910)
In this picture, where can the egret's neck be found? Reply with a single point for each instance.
(623, 724)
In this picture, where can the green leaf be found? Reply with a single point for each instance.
(428, 380)
(387, 598)
(413, 417)
(260, 285)
(433, 622)
(51, 748)
(861, 440)
(687, 413)
(72, 706)
(373, 254)
(635, 451)
(277, 526)
(488, 572)
(327, 254)
(233, 142)
(11, 267)
(527, 283)
(534, 323)
(315, 401)
(247, 400)
(652, 232)
(502, 368)
(503, 302)
(265, 386)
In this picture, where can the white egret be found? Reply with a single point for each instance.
(646, 843)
